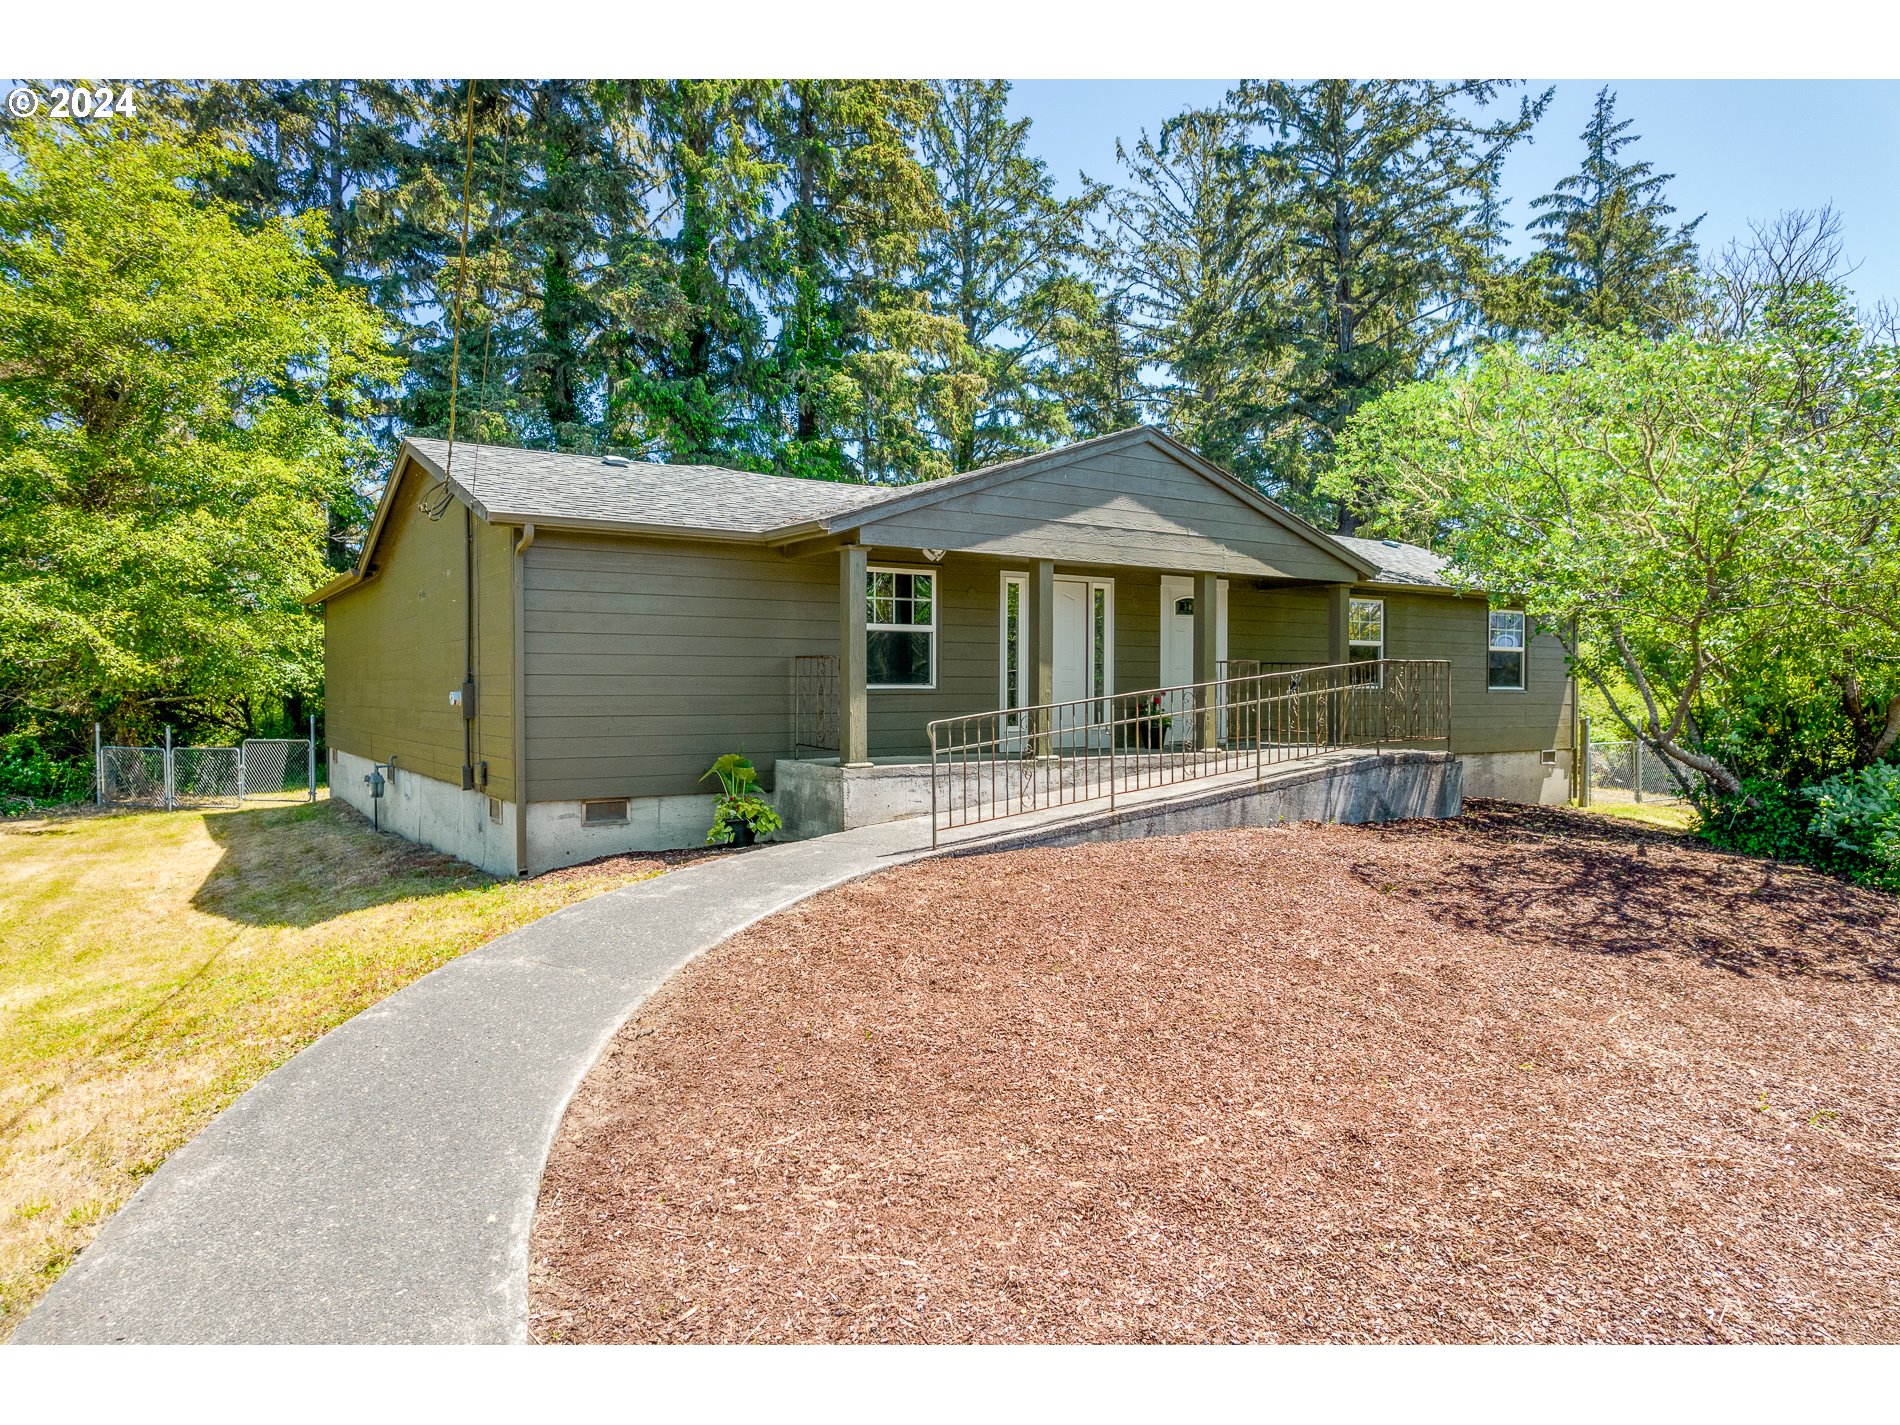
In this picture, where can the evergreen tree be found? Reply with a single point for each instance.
(1609, 257)
(856, 345)
(1196, 268)
(1381, 196)
(692, 379)
(1004, 263)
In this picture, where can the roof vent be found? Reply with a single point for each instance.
(1391, 544)
(618, 461)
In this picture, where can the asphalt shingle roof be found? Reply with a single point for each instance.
(540, 484)
(1400, 563)
(545, 485)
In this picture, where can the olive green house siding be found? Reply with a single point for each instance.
(646, 619)
(393, 645)
(645, 659)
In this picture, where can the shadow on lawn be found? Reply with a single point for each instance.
(304, 864)
(1548, 878)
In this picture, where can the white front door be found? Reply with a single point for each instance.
(1072, 640)
(1177, 641)
(1084, 653)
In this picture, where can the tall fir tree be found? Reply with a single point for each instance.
(1195, 274)
(856, 347)
(1005, 262)
(692, 379)
(1382, 196)
(1609, 256)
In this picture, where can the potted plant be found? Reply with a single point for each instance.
(740, 816)
(1151, 722)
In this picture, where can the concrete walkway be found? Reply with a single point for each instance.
(380, 1186)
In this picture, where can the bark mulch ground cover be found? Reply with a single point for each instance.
(1529, 1075)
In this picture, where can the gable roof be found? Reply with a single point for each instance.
(505, 485)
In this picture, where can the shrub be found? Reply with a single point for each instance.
(1858, 813)
(30, 776)
(1848, 825)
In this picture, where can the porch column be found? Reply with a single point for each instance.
(1039, 658)
(1338, 650)
(1338, 605)
(854, 724)
(1206, 660)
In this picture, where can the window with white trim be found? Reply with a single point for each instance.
(1011, 669)
(1505, 652)
(900, 638)
(1365, 635)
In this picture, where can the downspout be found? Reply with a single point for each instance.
(469, 708)
(518, 645)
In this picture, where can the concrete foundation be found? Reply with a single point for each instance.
(1519, 777)
(557, 837)
(431, 812)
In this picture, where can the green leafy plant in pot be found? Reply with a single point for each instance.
(740, 816)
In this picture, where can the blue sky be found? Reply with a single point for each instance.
(1740, 149)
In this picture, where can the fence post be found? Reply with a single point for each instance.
(168, 766)
(1636, 756)
(1582, 768)
(98, 766)
(311, 765)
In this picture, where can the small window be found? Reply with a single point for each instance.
(610, 812)
(1184, 607)
(494, 810)
(1506, 648)
(1365, 637)
(900, 639)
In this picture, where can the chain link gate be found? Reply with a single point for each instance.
(277, 769)
(132, 776)
(258, 769)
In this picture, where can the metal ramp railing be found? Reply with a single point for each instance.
(1011, 761)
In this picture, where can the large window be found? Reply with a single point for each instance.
(1365, 637)
(1506, 650)
(900, 640)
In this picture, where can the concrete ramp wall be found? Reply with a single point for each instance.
(1391, 786)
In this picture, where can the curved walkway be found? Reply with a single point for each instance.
(380, 1186)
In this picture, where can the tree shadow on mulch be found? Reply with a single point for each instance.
(1546, 877)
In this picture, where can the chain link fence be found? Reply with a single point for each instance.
(258, 769)
(1630, 771)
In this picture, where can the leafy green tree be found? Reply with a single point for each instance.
(1703, 522)
(1380, 201)
(171, 373)
(1609, 256)
(1006, 262)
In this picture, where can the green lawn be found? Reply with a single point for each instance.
(1671, 816)
(153, 966)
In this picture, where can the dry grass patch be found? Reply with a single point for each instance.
(1524, 1076)
(154, 966)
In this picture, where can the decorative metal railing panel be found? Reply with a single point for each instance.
(814, 703)
(1003, 763)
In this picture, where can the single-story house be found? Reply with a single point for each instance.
(543, 653)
